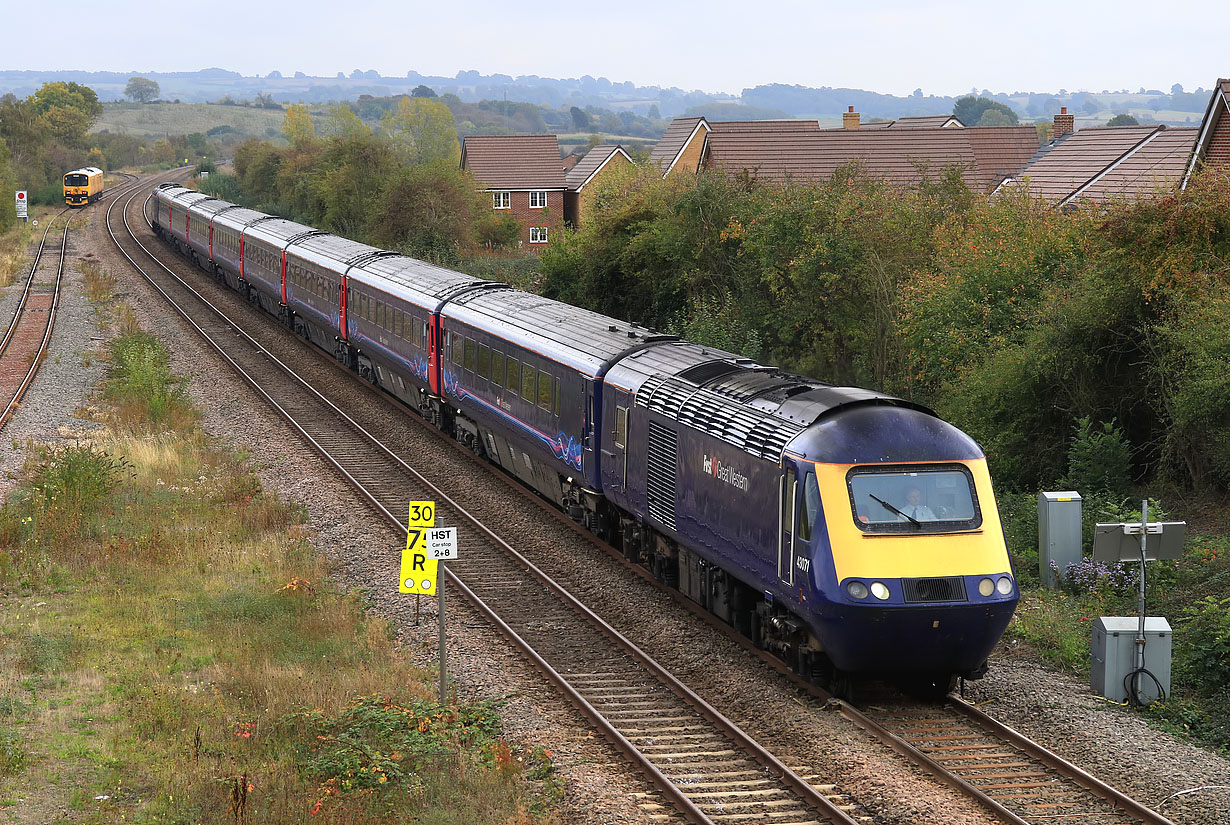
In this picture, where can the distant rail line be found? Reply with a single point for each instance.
(28, 335)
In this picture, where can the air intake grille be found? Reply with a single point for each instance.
(947, 589)
(663, 465)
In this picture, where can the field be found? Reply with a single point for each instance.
(162, 119)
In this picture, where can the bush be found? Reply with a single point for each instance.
(141, 380)
(1098, 459)
(1203, 644)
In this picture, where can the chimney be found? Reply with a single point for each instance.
(849, 119)
(1064, 123)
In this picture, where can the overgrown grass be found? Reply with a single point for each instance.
(13, 244)
(174, 651)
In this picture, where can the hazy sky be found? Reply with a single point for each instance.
(944, 47)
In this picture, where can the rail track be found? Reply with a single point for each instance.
(703, 765)
(28, 335)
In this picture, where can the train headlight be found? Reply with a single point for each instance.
(986, 587)
(1004, 586)
(879, 590)
(857, 589)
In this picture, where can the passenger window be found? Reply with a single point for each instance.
(811, 506)
(497, 368)
(514, 374)
(456, 348)
(621, 426)
(397, 322)
(484, 361)
(556, 404)
(528, 385)
(544, 391)
(471, 352)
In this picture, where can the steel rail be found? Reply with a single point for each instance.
(670, 789)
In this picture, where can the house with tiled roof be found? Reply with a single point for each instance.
(1213, 141)
(799, 150)
(851, 119)
(597, 161)
(524, 175)
(1106, 163)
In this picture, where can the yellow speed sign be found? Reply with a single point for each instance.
(418, 572)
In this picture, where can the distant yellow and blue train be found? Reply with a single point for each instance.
(82, 186)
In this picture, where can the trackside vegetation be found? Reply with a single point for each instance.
(175, 651)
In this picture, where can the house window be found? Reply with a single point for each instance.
(499, 200)
(538, 234)
(538, 200)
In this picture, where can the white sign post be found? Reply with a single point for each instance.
(21, 204)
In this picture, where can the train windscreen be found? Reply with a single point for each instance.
(911, 500)
(76, 180)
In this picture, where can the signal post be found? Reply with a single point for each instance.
(422, 573)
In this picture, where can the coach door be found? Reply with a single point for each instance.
(787, 495)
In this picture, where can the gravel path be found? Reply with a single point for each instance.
(1060, 713)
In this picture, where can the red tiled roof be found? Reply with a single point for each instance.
(672, 141)
(585, 168)
(1076, 160)
(514, 161)
(764, 125)
(1155, 166)
(925, 121)
(897, 155)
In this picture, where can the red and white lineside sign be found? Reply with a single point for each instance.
(21, 203)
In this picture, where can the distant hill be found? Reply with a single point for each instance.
(772, 100)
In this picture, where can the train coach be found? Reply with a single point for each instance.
(847, 531)
(82, 186)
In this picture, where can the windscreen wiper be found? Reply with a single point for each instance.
(888, 506)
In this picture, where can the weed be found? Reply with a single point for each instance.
(142, 387)
(13, 756)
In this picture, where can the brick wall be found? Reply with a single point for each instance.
(551, 217)
(1217, 148)
(1063, 123)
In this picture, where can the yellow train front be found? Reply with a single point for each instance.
(82, 186)
(909, 573)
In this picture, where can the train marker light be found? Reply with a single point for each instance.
(1004, 586)
(857, 589)
(986, 587)
(879, 590)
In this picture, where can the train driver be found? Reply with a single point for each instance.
(914, 508)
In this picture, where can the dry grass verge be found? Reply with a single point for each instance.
(174, 651)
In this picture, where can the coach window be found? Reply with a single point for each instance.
(514, 374)
(811, 507)
(484, 361)
(544, 391)
(528, 382)
(456, 347)
(497, 368)
(556, 397)
(471, 353)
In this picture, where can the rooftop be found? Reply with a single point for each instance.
(514, 161)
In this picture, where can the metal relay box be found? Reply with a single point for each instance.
(1059, 534)
(1113, 656)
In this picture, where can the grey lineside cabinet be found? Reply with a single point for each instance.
(1059, 534)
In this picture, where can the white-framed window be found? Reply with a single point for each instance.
(538, 200)
(500, 200)
(538, 234)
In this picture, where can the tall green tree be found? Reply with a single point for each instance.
(142, 89)
(970, 110)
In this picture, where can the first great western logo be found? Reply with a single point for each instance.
(725, 473)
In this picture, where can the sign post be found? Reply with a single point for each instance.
(427, 547)
(22, 202)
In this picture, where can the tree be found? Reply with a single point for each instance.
(1176, 89)
(970, 109)
(423, 91)
(67, 95)
(994, 117)
(1123, 120)
(580, 118)
(425, 129)
(141, 89)
(297, 126)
